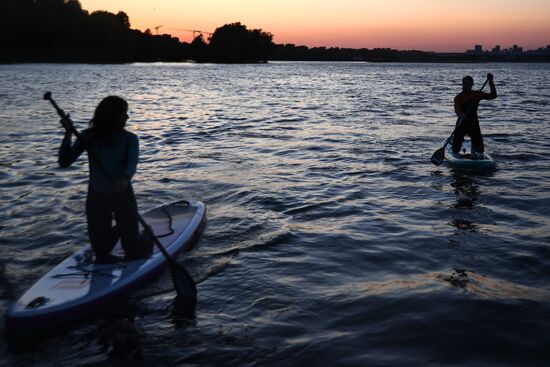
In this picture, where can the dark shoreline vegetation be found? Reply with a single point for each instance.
(61, 31)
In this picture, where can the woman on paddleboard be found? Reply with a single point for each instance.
(466, 104)
(116, 151)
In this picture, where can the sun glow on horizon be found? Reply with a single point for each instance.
(424, 24)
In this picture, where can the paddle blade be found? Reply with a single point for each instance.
(438, 156)
(184, 284)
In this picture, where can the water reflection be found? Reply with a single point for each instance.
(466, 190)
(467, 195)
(182, 314)
(484, 286)
(120, 337)
(465, 224)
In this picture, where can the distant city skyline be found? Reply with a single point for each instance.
(515, 49)
(428, 25)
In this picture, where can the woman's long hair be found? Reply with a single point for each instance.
(107, 115)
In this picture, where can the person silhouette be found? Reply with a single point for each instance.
(466, 104)
(110, 193)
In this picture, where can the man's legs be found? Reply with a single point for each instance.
(458, 137)
(477, 138)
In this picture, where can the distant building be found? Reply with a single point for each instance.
(478, 49)
(516, 49)
(496, 49)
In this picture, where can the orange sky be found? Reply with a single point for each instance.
(437, 25)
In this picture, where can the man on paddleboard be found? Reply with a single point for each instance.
(116, 150)
(466, 104)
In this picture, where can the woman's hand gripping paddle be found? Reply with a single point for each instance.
(184, 284)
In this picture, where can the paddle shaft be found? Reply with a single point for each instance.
(462, 119)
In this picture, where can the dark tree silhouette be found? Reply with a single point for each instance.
(123, 18)
(199, 49)
(61, 31)
(234, 43)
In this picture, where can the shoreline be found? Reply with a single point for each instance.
(279, 60)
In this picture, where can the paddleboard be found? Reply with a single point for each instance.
(464, 159)
(77, 287)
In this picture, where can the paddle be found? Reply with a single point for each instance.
(183, 283)
(439, 155)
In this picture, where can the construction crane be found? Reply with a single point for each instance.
(195, 31)
(157, 28)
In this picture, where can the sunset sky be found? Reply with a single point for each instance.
(436, 25)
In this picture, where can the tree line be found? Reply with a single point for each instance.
(61, 31)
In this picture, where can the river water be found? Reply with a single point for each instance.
(331, 239)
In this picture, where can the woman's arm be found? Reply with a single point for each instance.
(68, 153)
(132, 156)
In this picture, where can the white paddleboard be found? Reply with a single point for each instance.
(77, 287)
(464, 160)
